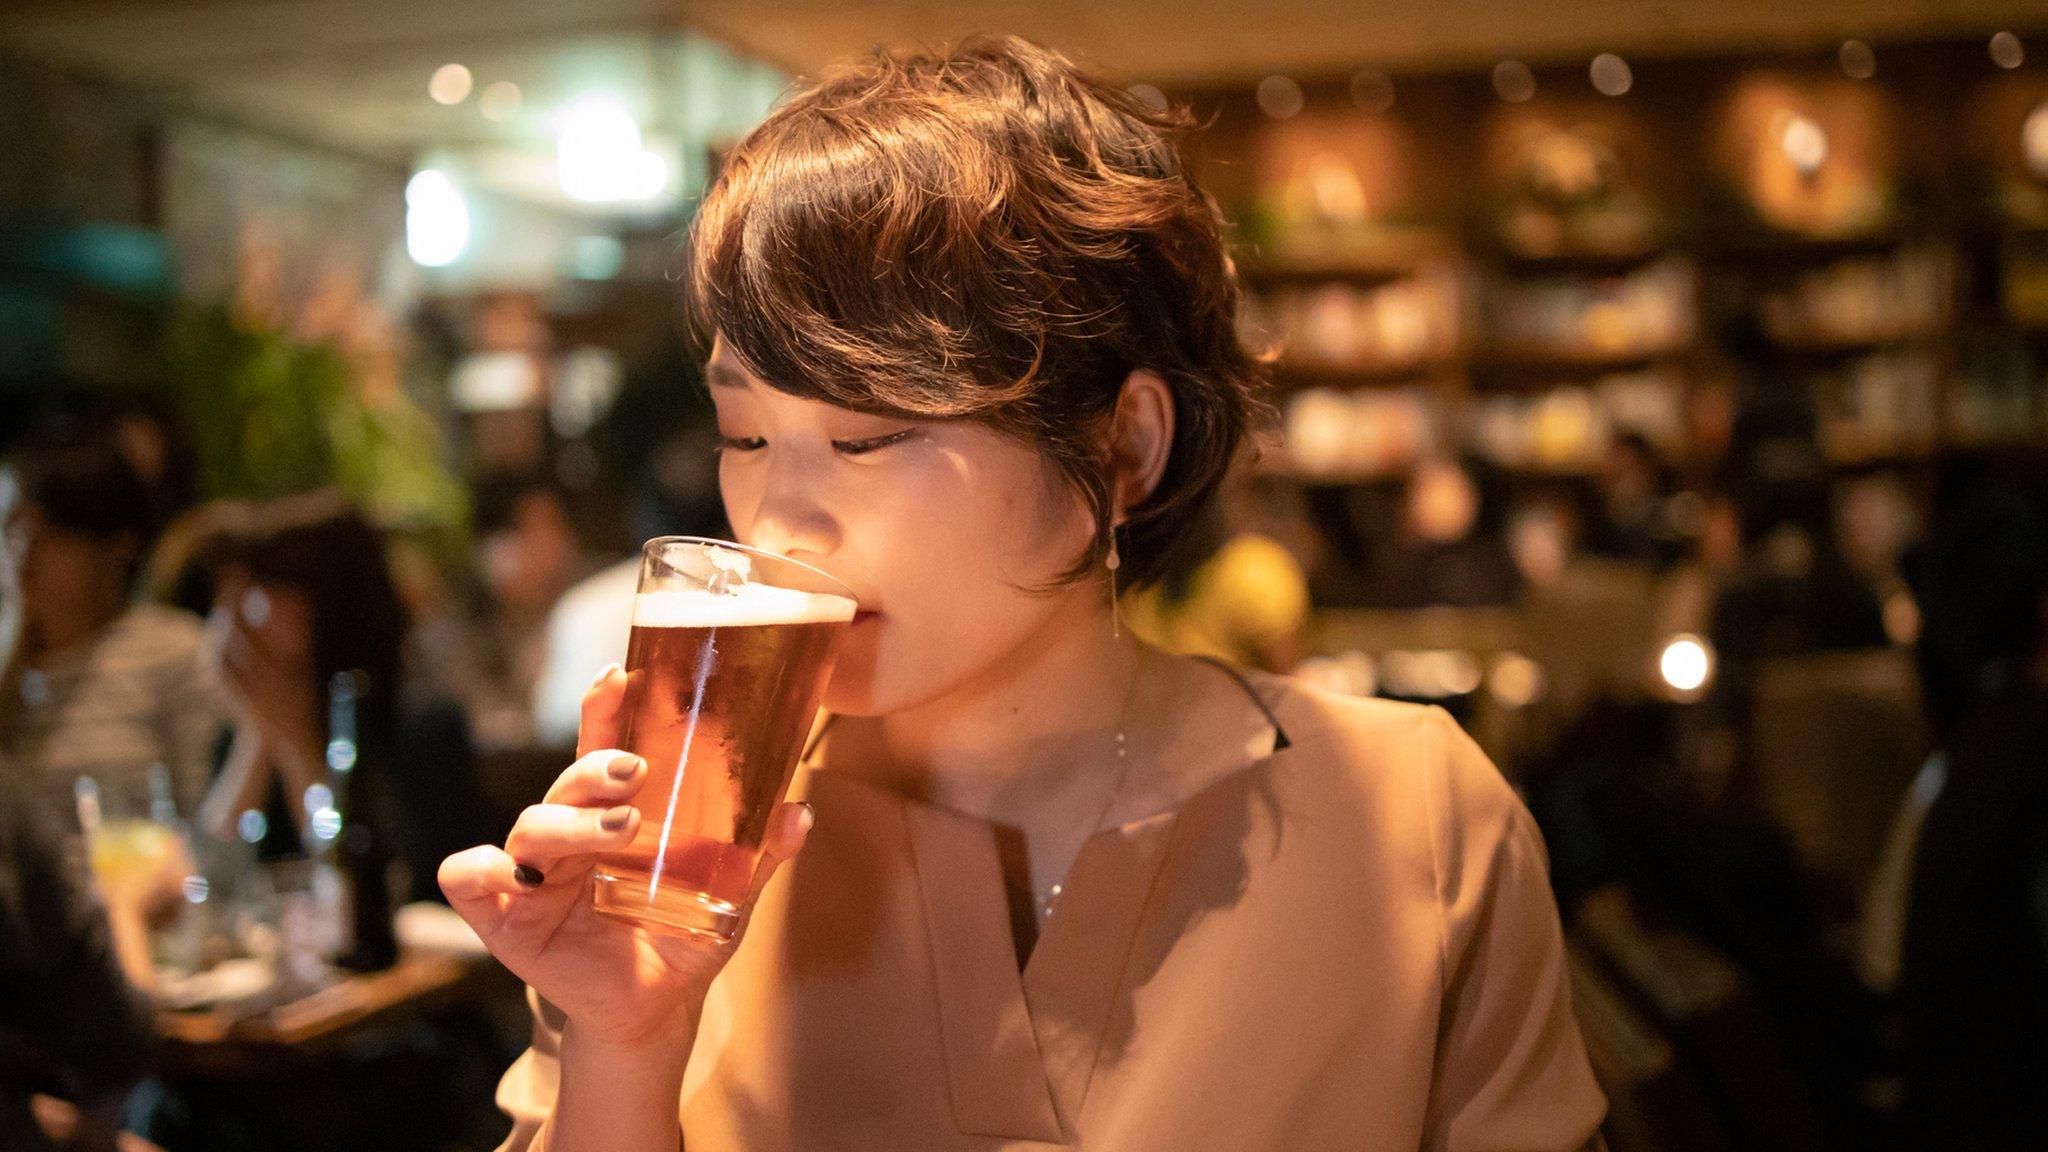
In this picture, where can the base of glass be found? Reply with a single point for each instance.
(669, 911)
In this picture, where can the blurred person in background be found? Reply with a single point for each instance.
(303, 593)
(489, 652)
(1973, 968)
(1453, 548)
(100, 686)
(1792, 592)
(1633, 519)
(1233, 593)
(76, 1032)
(587, 631)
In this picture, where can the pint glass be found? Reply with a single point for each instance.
(730, 652)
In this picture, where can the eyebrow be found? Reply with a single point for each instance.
(719, 374)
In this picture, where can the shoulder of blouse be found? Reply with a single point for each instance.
(1386, 744)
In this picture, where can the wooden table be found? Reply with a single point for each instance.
(284, 1039)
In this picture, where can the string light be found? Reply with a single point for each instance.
(1612, 75)
(1858, 61)
(2007, 51)
(500, 101)
(450, 84)
(1513, 81)
(1279, 97)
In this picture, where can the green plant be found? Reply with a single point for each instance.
(274, 415)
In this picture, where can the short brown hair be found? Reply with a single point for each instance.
(991, 235)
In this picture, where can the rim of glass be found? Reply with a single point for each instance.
(648, 548)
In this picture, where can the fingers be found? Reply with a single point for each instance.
(599, 779)
(603, 707)
(548, 835)
(787, 832)
(479, 875)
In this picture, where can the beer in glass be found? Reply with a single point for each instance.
(730, 652)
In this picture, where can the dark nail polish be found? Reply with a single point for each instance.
(623, 767)
(528, 875)
(615, 818)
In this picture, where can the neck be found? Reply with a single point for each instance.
(1037, 724)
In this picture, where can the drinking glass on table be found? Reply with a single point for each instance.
(730, 653)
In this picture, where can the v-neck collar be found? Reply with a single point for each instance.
(1021, 1046)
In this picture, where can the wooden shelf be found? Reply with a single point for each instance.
(1576, 472)
(1521, 366)
(1373, 374)
(1880, 456)
(1839, 345)
(1793, 247)
(1359, 273)
(1591, 262)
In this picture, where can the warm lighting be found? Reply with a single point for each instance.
(1686, 664)
(2034, 141)
(436, 219)
(1279, 97)
(1150, 96)
(450, 84)
(1372, 90)
(1513, 81)
(2007, 51)
(1612, 75)
(1429, 674)
(599, 158)
(1805, 144)
(1515, 680)
(500, 101)
(1858, 61)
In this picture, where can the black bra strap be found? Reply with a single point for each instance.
(1280, 740)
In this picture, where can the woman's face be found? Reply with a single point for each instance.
(64, 575)
(275, 621)
(942, 529)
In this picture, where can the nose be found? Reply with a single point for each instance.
(792, 518)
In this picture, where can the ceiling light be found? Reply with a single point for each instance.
(450, 84)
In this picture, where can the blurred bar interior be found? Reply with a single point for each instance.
(1663, 391)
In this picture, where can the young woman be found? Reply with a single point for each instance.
(974, 353)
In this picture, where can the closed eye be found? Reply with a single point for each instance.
(874, 443)
(843, 447)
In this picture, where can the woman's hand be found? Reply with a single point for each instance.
(621, 987)
(280, 701)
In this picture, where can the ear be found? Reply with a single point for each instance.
(1141, 439)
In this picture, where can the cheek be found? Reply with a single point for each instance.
(951, 559)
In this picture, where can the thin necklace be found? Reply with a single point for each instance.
(1123, 769)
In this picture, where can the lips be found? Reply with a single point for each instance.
(864, 615)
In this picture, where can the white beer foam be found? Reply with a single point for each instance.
(754, 605)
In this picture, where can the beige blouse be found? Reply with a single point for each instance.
(1343, 937)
